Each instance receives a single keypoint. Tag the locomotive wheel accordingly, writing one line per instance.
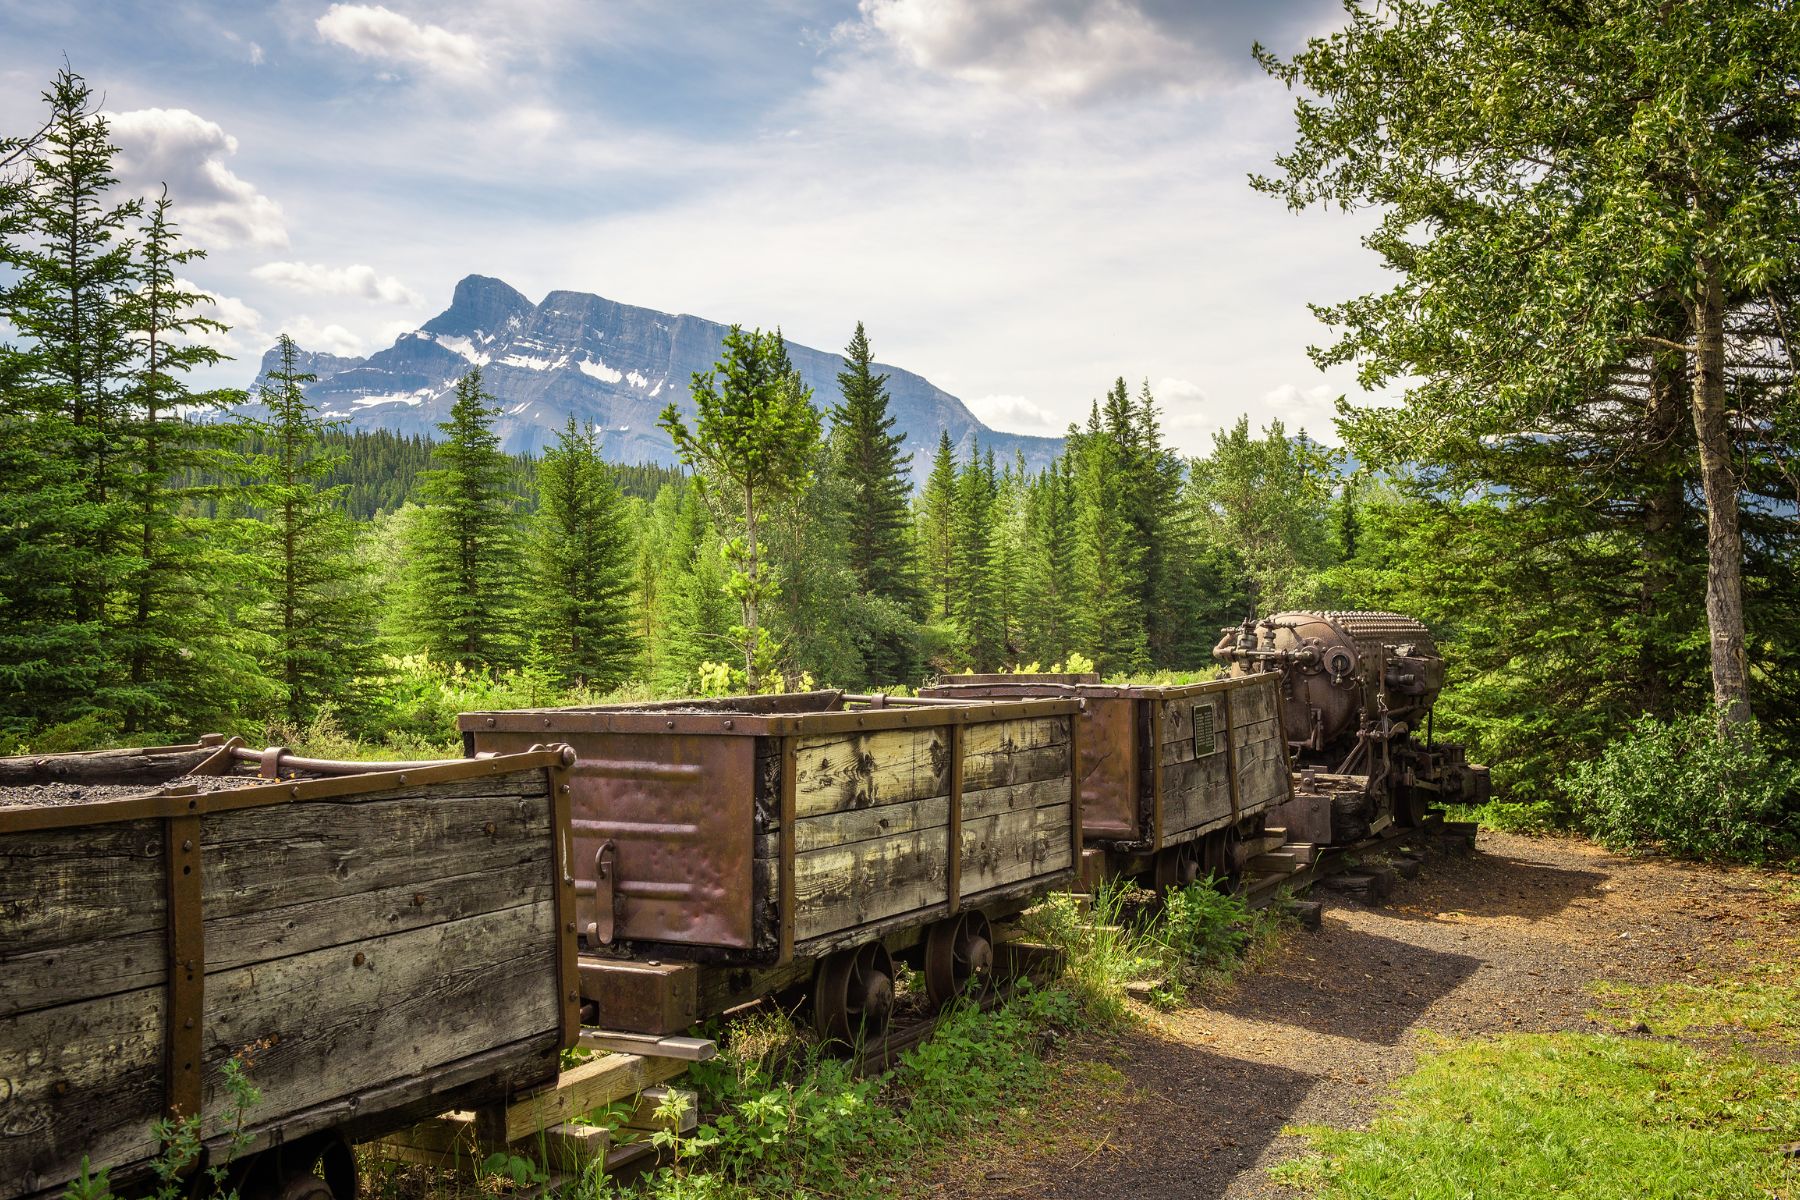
(1231, 855)
(853, 994)
(959, 958)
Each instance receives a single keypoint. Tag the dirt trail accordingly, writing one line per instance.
(1506, 939)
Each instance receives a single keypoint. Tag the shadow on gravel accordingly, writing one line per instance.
(1364, 987)
(1206, 1118)
(1488, 885)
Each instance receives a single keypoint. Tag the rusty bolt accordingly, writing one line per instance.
(418, 899)
(490, 722)
(187, 845)
(359, 960)
(570, 927)
(546, 722)
(573, 997)
(190, 1023)
(670, 724)
(488, 829)
(564, 789)
(402, 777)
(728, 724)
(293, 791)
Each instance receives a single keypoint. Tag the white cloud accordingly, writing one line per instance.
(1309, 408)
(243, 333)
(308, 334)
(187, 152)
(256, 54)
(373, 31)
(1014, 414)
(356, 280)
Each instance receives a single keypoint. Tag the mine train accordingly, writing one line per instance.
(375, 943)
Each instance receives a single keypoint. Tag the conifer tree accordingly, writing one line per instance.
(937, 530)
(866, 454)
(1109, 555)
(319, 615)
(464, 568)
(1047, 600)
(975, 606)
(68, 270)
(186, 580)
(582, 554)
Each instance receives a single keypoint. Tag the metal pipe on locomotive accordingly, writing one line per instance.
(1358, 690)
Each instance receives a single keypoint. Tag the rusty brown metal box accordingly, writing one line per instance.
(756, 830)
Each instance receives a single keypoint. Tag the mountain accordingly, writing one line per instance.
(607, 363)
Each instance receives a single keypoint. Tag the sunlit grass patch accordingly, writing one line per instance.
(1568, 1115)
(1766, 1002)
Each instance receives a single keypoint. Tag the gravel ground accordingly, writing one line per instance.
(1505, 939)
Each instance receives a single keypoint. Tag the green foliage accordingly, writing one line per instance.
(1677, 786)
(756, 434)
(461, 595)
(1566, 1114)
(1269, 500)
(317, 617)
(582, 555)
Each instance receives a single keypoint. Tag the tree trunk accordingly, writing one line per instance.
(1724, 539)
(1663, 508)
(752, 570)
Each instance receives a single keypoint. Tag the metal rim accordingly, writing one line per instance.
(1179, 866)
(853, 994)
(959, 958)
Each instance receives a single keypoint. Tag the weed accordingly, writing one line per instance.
(1567, 1114)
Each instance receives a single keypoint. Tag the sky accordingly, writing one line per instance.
(1022, 199)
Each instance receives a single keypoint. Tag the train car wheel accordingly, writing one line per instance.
(853, 994)
(959, 958)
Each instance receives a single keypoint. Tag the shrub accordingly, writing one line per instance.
(1680, 787)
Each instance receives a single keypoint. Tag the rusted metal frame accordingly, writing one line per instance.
(1287, 749)
(568, 972)
(761, 725)
(185, 1008)
(221, 760)
(953, 901)
(1076, 836)
(281, 759)
(1231, 768)
(785, 868)
(1156, 774)
(161, 804)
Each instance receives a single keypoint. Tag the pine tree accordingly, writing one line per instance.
(975, 607)
(937, 530)
(464, 571)
(319, 616)
(872, 474)
(1109, 623)
(70, 270)
(1047, 600)
(582, 551)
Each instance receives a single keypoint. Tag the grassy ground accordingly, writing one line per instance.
(1696, 1094)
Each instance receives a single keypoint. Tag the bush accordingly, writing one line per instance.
(1679, 787)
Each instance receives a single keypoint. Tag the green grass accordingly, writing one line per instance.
(1568, 1115)
(1765, 1002)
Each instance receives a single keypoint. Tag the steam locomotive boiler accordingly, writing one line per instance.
(1357, 695)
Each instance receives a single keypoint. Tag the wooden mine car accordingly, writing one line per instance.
(372, 944)
(1176, 781)
(725, 849)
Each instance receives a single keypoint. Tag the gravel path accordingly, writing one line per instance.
(1505, 939)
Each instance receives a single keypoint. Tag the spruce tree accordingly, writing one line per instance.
(70, 273)
(461, 600)
(975, 607)
(937, 530)
(582, 556)
(1109, 622)
(319, 616)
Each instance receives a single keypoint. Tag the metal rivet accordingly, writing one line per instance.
(573, 997)
(489, 828)
(546, 722)
(490, 722)
(188, 844)
(669, 724)
(293, 791)
(403, 778)
(190, 1022)
(728, 724)
(565, 789)
(571, 927)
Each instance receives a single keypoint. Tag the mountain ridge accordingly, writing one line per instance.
(607, 363)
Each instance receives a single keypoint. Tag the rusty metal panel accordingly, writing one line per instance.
(678, 811)
(1106, 759)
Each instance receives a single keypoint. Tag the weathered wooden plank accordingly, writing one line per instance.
(1252, 704)
(103, 767)
(82, 971)
(261, 935)
(1180, 750)
(613, 1041)
(1036, 794)
(79, 1079)
(335, 1021)
(1028, 733)
(859, 825)
(1014, 846)
(993, 768)
(62, 887)
(261, 858)
(1196, 793)
(864, 770)
(591, 1085)
(844, 886)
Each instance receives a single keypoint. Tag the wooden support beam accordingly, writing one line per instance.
(688, 1049)
(591, 1085)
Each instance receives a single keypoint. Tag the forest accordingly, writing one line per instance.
(167, 569)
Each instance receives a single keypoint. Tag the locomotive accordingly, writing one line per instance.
(1357, 692)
